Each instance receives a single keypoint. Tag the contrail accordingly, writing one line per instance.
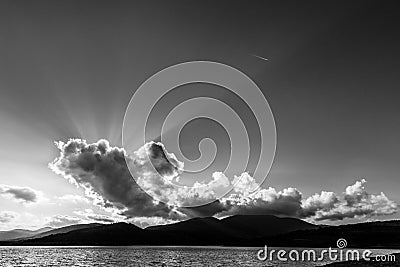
(263, 58)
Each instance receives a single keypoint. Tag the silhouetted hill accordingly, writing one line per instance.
(265, 225)
(238, 226)
(21, 233)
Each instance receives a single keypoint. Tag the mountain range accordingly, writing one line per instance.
(239, 230)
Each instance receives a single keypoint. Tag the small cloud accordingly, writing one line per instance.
(101, 218)
(75, 199)
(144, 222)
(91, 216)
(7, 216)
(22, 194)
(62, 220)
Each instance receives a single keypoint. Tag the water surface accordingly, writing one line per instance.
(141, 256)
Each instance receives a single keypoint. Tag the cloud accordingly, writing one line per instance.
(102, 171)
(22, 194)
(144, 222)
(319, 202)
(75, 199)
(91, 216)
(7, 216)
(154, 169)
(244, 184)
(355, 193)
(101, 218)
(264, 201)
(356, 202)
(62, 220)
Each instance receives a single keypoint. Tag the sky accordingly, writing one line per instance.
(68, 69)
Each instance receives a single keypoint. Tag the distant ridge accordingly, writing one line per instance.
(21, 233)
(64, 230)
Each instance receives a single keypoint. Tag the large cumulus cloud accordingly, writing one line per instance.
(103, 172)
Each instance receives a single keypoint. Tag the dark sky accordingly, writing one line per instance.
(69, 68)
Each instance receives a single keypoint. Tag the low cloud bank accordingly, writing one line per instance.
(103, 172)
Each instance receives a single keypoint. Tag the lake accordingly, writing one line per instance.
(142, 256)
